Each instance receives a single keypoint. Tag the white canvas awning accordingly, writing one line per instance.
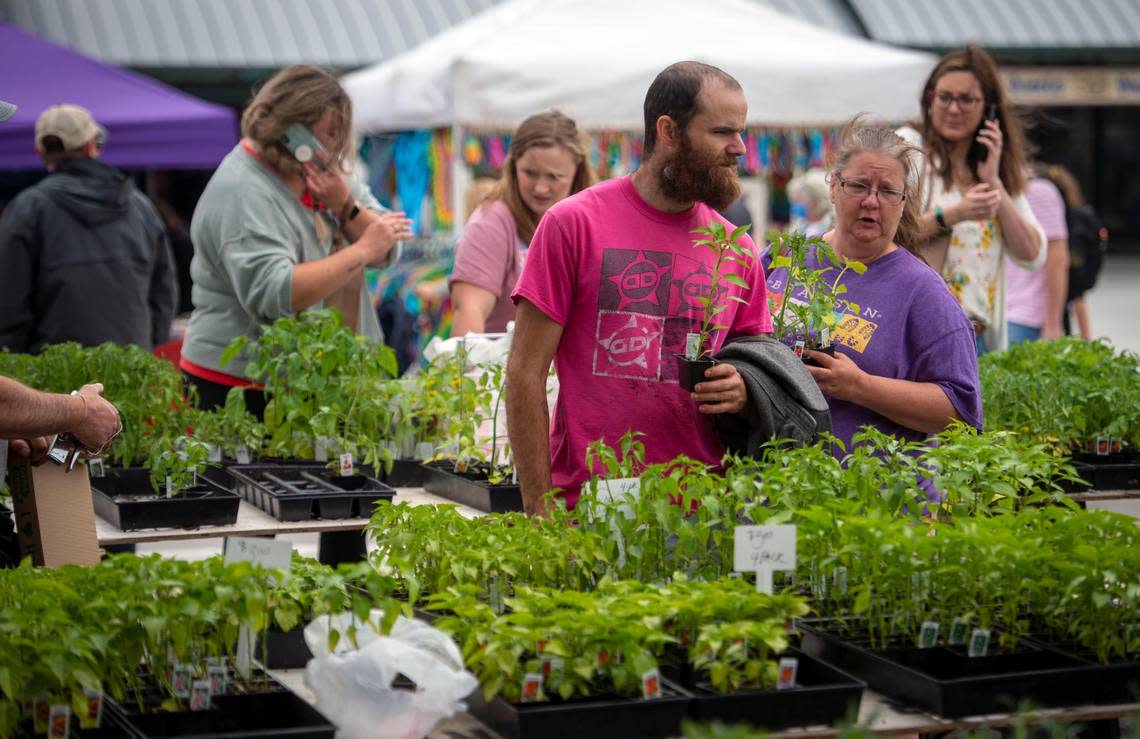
(594, 60)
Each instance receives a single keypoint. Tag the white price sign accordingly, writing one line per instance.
(269, 553)
(764, 549)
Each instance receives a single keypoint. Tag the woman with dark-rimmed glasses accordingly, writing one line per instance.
(904, 360)
(974, 210)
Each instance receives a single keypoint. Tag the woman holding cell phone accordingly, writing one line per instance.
(974, 180)
(282, 226)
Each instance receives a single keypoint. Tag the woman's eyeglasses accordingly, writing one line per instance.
(965, 102)
(857, 189)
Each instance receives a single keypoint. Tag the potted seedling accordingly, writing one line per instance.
(169, 492)
(805, 312)
(728, 255)
(480, 475)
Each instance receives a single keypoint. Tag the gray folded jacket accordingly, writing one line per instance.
(783, 400)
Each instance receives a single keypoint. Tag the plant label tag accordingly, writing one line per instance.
(769, 547)
(651, 684)
(979, 643)
(321, 449)
(242, 453)
(692, 346)
(216, 674)
(213, 453)
(181, 681)
(41, 714)
(92, 716)
(824, 336)
(841, 580)
(786, 677)
(95, 468)
(531, 688)
(494, 596)
(1114, 445)
(552, 668)
(243, 655)
(200, 695)
(928, 636)
(958, 630)
(623, 490)
(346, 468)
(1102, 446)
(798, 348)
(169, 487)
(59, 721)
(425, 450)
(272, 554)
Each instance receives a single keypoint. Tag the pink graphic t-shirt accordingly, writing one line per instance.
(624, 280)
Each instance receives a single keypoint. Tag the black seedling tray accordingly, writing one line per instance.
(945, 681)
(1116, 471)
(603, 717)
(470, 489)
(302, 492)
(822, 696)
(124, 497)
(272, 714)
(406, 473)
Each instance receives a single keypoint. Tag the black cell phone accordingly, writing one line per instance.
(978, 151)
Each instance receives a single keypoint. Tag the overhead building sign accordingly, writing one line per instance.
(1073, 85)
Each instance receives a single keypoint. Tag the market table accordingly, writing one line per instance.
(252, 521)
(875, 712)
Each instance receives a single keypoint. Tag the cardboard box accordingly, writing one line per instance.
(55, 519)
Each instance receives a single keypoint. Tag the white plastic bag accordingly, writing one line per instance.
(353, 685)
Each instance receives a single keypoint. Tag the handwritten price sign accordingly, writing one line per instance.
(764, 549)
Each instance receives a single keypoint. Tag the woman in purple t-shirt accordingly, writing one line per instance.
(546, 163)
(905, 360)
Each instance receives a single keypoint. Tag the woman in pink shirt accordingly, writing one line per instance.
(546, 163)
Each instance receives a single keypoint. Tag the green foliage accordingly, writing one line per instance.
(1064, 393)
(605, 640)
(807, 317)
(727, 251)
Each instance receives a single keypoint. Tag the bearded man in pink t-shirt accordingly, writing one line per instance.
(612, 285)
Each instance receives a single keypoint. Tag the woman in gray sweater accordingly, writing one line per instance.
(276, 232)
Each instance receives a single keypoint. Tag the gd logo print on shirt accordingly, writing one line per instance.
(647, 302)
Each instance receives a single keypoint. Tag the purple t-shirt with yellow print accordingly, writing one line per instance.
(897, 320)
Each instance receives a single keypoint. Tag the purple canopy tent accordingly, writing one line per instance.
(149, 125)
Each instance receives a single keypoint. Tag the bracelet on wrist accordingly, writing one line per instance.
(349, 211)
(940, 217)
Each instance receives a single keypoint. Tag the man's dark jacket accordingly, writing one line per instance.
(84, 257)
(783, 400)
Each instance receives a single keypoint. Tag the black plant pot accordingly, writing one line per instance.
(828, 350)
(947, 682)
(125, 498)
(601, 717)
(692, 371)
(301, 492)
(406, 473)
(470, 488)
(822, 696)
(284, 650)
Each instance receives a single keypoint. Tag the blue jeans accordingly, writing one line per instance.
(979, 344)
(1019, 333)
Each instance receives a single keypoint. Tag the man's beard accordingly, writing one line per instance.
(692, 176)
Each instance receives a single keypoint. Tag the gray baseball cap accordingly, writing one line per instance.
(7, 110)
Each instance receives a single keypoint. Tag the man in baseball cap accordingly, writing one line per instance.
(7, 110)
(84, 254)
(67, 129)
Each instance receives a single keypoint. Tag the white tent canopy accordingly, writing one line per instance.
(594, 60)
